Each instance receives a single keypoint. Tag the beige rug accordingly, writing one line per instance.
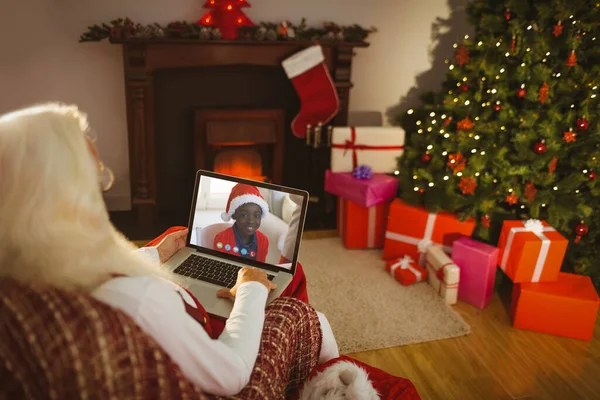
(366, 307)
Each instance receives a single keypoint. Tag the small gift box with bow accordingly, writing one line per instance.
(361, 227)
(379, 189)
(443, 274)
(406, 271)
(411, 230)
(477, 262)
(531, 251)
(377, 147)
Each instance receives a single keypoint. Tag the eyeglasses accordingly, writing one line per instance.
(106, 177)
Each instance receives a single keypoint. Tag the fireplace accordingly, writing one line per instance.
(244, 143)
(224, 106)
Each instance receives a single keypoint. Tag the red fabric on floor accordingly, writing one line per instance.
(296, 288)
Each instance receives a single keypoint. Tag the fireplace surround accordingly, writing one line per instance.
(191, 103)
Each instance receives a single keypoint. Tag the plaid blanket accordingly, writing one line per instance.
(66, 345)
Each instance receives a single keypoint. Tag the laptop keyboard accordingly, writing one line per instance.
(209, 270)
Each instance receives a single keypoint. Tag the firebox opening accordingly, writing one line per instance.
(243, 162)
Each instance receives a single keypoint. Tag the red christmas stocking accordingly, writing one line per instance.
(318, 98)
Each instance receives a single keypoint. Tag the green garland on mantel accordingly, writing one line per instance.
(125, 29)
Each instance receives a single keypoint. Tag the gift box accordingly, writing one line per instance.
(367, 193)
(442, 274)
(377, 147)
(361, 227)
(411, 230)
(531, 251)
(406, 270)
(477, 262)
(567, 307)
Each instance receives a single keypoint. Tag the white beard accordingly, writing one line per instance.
(340, 381)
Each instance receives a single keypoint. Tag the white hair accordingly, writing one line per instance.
(54, 227)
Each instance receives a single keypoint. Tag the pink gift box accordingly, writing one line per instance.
(477, 262)
(366, 193)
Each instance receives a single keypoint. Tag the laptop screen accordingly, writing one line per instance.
(247, 221)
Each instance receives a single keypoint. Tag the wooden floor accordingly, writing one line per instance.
(496, 361)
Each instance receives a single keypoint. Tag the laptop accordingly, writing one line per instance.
(233, 223)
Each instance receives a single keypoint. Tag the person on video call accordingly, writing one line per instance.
(247, 207)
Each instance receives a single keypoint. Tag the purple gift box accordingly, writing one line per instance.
(477, 262)
(366, 193)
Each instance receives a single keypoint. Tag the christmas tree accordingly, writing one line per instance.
(514, 134)
(226, 16)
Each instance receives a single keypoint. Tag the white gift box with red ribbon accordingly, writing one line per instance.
(443, 274)
(377, 147)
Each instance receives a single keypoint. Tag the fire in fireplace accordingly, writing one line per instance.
(244, 143)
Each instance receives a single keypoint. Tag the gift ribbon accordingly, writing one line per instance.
(351, 145)
(440, 274)
(422, 244)
(405, 263)
(535, 226)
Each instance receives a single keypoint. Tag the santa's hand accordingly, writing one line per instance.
(171, 244)
(246, 274)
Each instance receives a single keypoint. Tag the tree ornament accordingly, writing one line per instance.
(465, 124)
(456, 162)
(426, 157)
(572, 60)
(421, 191)
(462, 55)
(467, 185)
(464, 87)
(569, 136)
(530, 191)
(558, 29)
(539, 147)
(447, 122)
(581, 229)
(513, 44)
(227, 16)
(497, 107)
(592, 176)
(543, 96)
(512, 199)
(507, 14)
(486, 221)
(552, 165)
(582, 124)
(521, 92)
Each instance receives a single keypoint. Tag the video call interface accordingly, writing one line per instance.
(245, 221)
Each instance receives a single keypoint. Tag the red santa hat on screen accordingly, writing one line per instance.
(243, 194)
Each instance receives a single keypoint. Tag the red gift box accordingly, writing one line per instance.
(567, 307)
(531, 251)
(361, 227)
(406, 271)
(412, 230)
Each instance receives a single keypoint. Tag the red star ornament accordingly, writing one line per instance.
(512, 199)
(569, 136)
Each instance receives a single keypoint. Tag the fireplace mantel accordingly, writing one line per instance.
(142, 58)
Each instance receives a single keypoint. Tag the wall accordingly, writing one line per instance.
(41, 60)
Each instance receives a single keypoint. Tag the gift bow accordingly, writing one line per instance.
(351, 145)
(405, 263)
(440, 275)
(535, 226)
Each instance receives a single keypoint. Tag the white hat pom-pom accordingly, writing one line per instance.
(225, 217)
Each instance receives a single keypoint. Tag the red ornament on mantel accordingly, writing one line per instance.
(226, 16)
